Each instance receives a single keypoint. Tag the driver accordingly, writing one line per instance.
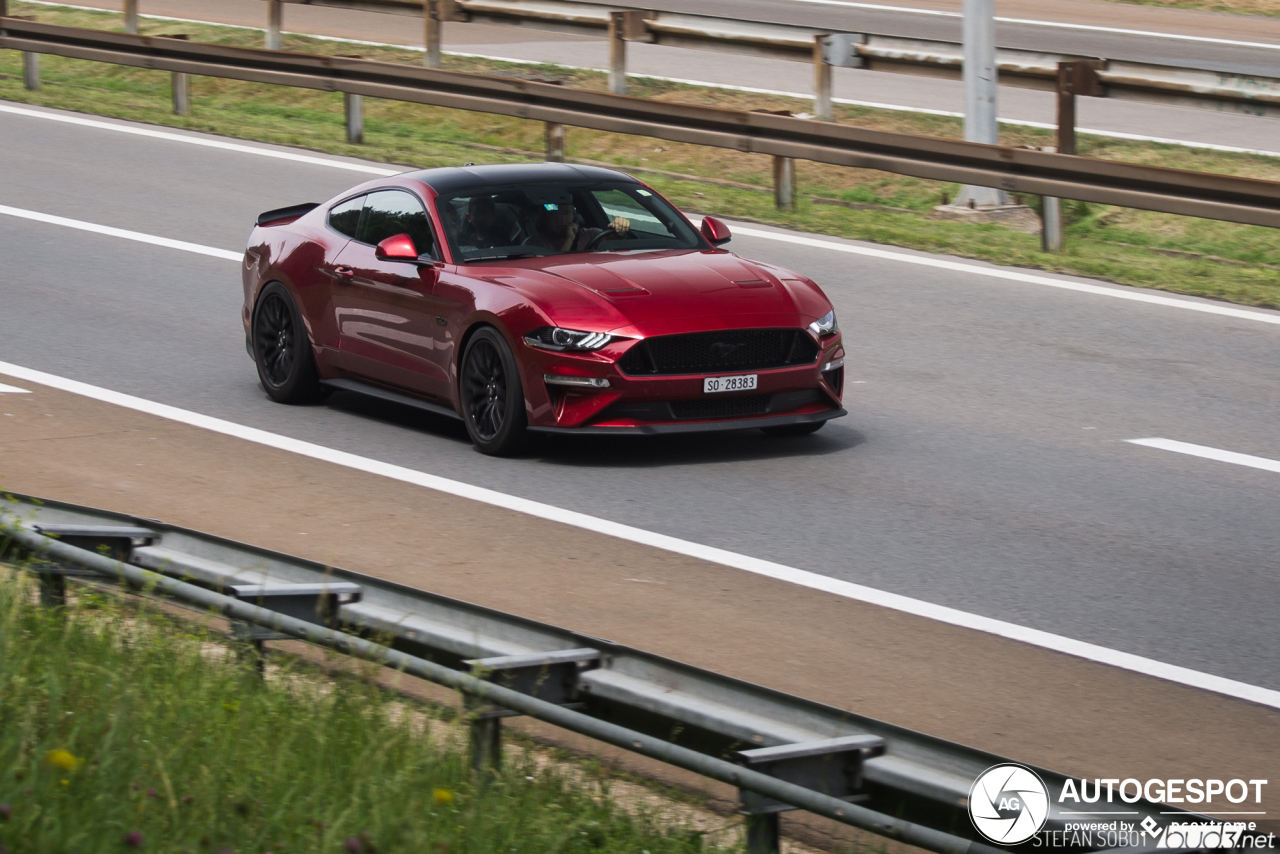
(558, 231)
(482, 228)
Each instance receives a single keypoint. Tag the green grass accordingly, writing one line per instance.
(121, 729)
(1194, 256)
(1236, 7)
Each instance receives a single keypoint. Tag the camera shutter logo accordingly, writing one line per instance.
(1008, 804)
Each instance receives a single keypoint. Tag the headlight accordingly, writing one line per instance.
(555, 338)
(825, 325)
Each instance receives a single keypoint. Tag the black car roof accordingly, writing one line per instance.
(452, 179)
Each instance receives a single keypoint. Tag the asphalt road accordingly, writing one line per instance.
(1112, 36)
(983, 465)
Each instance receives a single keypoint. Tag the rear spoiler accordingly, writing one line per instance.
(292, 212)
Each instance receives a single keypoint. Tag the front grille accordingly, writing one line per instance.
(727, 407)
(716, 352)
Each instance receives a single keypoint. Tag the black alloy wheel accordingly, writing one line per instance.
(491, 395)
(282, 349)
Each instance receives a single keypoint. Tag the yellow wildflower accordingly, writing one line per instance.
(443, 796)
(63, 759)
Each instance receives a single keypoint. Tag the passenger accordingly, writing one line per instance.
(560, 232)
(483, 229)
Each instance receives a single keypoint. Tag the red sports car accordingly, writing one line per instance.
(547, 297)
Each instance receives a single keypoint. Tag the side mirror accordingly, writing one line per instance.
(397, 248)
(715, 231)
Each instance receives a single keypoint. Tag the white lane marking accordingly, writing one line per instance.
(1007, 274)
(1135, 294)
(202, 141)
(12, 389)
(1205, 452)
(122, 233)
(780, 572)
(877, 105)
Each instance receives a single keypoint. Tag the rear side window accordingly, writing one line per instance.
(345, 218)
(393, 212)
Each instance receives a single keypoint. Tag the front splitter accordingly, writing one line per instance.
(697, 426)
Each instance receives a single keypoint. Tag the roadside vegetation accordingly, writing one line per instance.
(123, 729)
(1239, 7)
(1213, 259)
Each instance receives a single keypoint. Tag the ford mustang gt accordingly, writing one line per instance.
(546, 297)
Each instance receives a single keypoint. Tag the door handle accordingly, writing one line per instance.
(345, 274)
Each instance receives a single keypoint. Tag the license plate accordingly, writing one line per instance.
(742, 382)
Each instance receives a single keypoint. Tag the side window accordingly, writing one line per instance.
(345, 218)
(616, 203)
(393, 212)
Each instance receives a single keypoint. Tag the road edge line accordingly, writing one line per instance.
(849, 590)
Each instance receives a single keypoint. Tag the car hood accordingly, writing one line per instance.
(669, 287)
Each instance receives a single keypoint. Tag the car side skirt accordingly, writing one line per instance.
(386, 394)
(697, 426)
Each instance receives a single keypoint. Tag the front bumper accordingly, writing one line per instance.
(698, 426)
(617, 403)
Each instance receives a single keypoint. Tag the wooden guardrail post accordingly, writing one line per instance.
(275, 24)
(555, 142)
(784, 183)
(131, 16)
(431, 32)
(31, 70)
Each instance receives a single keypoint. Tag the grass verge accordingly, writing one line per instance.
(1194, 256)
(1237, 7)
(121, 729)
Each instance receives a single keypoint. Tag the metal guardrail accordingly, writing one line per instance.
(847, 767)
(1213, 196)
(1124, 77)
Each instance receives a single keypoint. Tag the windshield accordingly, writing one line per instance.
(527, 220)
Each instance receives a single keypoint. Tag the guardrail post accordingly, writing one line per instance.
(1050, 224)
(355, 118)
(275, 24)
(31, 70)
(618, 53)
(431, 32)
(821, 81)
(181, 86)
(53, 589)
(1077, 77)
(181, 93)
(131, 16)
(784, 183)
(763, 834)
(555, 142)
(486, 743)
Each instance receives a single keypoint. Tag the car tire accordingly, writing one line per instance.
(491, 395)
(794, 429)
(282, 350)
